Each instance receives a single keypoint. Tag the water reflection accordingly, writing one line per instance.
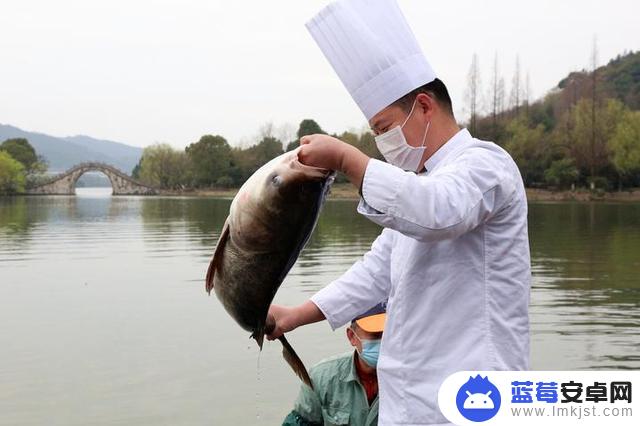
(103, 313)
(585, 307)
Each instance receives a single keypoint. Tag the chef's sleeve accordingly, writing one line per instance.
(363, 286)
(445, 204)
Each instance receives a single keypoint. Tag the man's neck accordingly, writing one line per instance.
(367, 378)
(364, 370)
(439, 134)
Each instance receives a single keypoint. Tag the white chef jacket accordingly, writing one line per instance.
(453, 262)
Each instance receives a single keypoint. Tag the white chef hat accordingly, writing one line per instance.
(372, 49)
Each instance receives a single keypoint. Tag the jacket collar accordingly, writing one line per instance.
(350, 374)
(463, 136)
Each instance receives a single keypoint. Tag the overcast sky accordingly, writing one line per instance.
(141, 72)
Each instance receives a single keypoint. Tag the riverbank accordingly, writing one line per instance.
(342, 191)
(345, 191)
(583, 195)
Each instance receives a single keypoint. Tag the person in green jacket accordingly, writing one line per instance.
(345, 387)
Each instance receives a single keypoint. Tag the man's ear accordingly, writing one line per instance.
(426, 103)
(351, 336)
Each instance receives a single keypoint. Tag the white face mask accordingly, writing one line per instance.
(394, 147)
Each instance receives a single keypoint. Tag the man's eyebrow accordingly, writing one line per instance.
(377, 123)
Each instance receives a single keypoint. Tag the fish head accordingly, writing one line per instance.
(294, 182)
(276, 200)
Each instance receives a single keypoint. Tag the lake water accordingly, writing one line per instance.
(104, 318)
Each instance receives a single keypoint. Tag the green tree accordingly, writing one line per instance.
(21, 150)
(309, 127)
(292, 145)
(210, 159)
(561, 173)
(306, 127)
(135, 173)
(365, 142)
(12, 178)
(268, 148)
(529, 148)
(625, 144)
(592, 156)
(247, 161)
(164, 167)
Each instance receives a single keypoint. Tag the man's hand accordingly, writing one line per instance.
(289, 318)
(322, 151)
(331, 153)
(284, 318)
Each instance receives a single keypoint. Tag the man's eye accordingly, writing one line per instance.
(379, 131)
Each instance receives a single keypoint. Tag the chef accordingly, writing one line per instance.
(453, 257)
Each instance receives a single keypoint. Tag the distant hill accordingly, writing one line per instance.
(572, 135)
(63, 153)
(619, 79)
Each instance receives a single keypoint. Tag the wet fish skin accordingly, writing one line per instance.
(270, 220)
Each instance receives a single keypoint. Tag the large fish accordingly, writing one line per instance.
(270, 220)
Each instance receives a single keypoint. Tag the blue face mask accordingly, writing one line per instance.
(370, 351)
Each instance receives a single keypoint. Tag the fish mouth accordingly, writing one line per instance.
(313, 171)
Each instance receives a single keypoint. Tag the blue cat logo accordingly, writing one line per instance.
(478, 399)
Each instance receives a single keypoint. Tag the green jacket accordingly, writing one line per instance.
(338, 398)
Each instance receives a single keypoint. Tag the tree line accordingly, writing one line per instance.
(213, 162)
(19, 165)
(584, 133)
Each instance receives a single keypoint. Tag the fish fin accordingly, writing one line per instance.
(267, 328)
(294, 361)
(216, 260)
(258, 335)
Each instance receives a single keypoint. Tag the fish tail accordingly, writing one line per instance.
(294, 361)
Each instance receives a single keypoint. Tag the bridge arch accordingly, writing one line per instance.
(93, 178)
(65, 183)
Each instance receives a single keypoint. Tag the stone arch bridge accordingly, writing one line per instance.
(65, 183)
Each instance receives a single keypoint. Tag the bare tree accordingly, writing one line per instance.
(501, 93)
(267, 130)
(516, 89)
(494, 95)
(473, 91)
(594, 80)
(286, 132)
(527, 93)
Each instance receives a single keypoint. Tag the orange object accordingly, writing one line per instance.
(372, 323)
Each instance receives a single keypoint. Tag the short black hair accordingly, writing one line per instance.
(436, 89)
